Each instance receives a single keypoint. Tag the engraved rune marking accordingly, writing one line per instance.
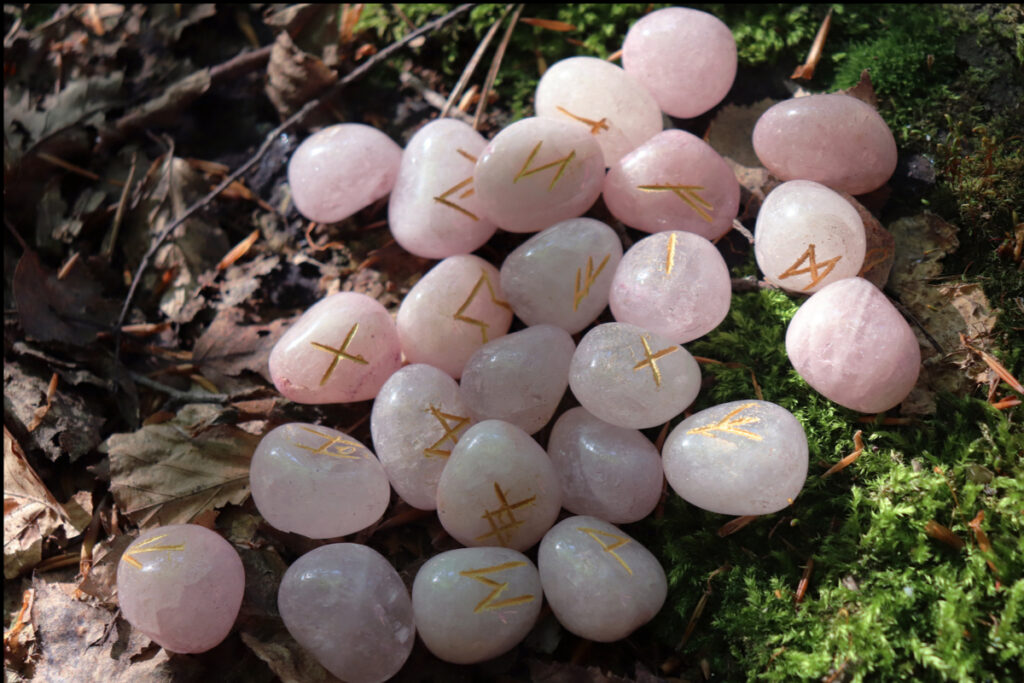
(443, 197)
(503, 519)
(345, 448)
(670, 257)
(649, 359)
(146, 547)
(595, 126)
(817, 270)
(491, 601)
(730, 426)
(340, 353)
(619, 542)
(688, 193)
(450, 432)
(561, 163)
(579, 294)
(459, 314)
(467, 155)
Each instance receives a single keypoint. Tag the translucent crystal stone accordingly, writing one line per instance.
(498, 488)
(182, 586)
(474, 604)
(342, 349)
(674, 181)
(601, 583)
(317, 481)
(452, 311)
(605, 471)
(631, 377)
(348, 607)
(537, 172)
(675, 284)
(561, 276)
(433, 211)
(342, 169)
(739, 458)
(616, 109)
(852, 346)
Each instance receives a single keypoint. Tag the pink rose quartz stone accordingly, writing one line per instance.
(674, 181)
(182, 586)
(807, 237)
(433, 211)
(601, 583)
(316, 481)
(519, 378)
(451, 312)
(474, 604)
(341, 350)
(853, 347)
(561, 276)
(633, 378)
(686, 58)
(537, 172)
(342, 169)
(675, 284)
(615, 108)
(499, 488)
(417, 419)
(740, 458)
(349, 608)
(605, 471)
(835, 140)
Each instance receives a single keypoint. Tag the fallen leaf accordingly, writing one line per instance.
(294, 77)
(101, 583)
(864, 90)
(562, 672)
(231, 348)
(287, 658)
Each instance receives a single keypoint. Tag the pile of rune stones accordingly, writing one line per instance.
(456, 397)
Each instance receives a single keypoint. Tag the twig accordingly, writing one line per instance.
(122, 203)
(806, 70)
(178, 395)
(473, 62)
(495, 65)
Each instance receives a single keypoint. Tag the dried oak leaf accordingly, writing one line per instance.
(229, 347)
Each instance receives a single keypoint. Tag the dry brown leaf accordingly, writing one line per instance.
(294, 77)
(231, 348)
(286, 658)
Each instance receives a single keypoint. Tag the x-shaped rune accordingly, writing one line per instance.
(339, 353)
(649, 359)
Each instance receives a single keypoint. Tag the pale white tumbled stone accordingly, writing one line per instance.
(608, 472)
(561, 276)
(807, 237)
(498, 488)
(601, 583)
(519, 378)
(631, 377)
(739, 458)
(616, 108)
(433, 211)
(675, 284)
(417, 419)
(452, 311)
(473, 604)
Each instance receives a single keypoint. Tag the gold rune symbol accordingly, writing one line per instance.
(345, 447)
(817, 271)
(503, 519)
(580, 294)
(649, 359)
(339, 353)
(670, 257)
(561, 163)
(491, 601)
(620, 541)
(688, 193)
(450, 432)
(484, 280)
(595, 126)
(146, 547)
(730, 426)
(443, 197)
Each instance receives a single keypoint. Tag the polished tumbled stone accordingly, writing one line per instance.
(348, 607)
(181, 585)
(473, 604)
(675, 284)
(317, 481)
(601, 583)
(740, 458)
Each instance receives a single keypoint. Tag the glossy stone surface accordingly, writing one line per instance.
(561, 276)
(537, 172)
(417, 419)
(341, 350)
(342, 169)
(675, 284)
(348, 607)
(499, 488)
(317, 481)
(835, 140)
(852, 346)
(600, 582)
(433, 211)
(674, 181)
(615, 108)
(807, 237)
(686, 58)
(740, 458)
(605, 471)
(181, 585)
(631, 377)
(473, 604)
(452, 311)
